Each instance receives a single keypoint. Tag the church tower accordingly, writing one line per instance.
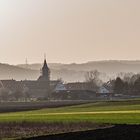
(45, 72)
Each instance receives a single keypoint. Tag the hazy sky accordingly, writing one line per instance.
(69, 30)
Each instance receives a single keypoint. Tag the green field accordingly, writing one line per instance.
(119, 112)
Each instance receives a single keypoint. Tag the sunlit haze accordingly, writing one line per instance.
(69, 30)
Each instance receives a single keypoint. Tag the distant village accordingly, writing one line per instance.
(46, 89)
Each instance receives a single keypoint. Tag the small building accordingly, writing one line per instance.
(11, 85)
(60, 87)
(103, 90)
(104, 93)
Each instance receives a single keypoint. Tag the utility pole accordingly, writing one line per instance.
(26, 63)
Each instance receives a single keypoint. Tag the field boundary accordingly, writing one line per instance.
(75, 113)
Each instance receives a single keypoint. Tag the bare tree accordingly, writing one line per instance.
(93, 80)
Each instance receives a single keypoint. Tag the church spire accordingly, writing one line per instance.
(45, 66)
(45, 71)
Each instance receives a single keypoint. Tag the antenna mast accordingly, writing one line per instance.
(26, 63)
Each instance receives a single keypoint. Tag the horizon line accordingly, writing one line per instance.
(103, 60)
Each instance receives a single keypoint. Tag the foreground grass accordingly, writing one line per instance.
(124, 112)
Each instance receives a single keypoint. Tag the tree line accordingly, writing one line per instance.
(129, 84)
(125, 83)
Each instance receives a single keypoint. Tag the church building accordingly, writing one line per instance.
(41, 87)
(45, 73)
(38, 89)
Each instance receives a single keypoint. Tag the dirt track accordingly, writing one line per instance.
(118, 132)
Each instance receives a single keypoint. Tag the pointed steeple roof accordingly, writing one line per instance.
(45, 72)
(45, 63)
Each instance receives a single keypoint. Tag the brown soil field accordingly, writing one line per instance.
(117, 132)
(30, 129)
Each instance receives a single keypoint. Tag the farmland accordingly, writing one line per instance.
(25, 106)
(100, 112)
(86, 116)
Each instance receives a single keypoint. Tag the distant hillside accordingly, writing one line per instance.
(13, 72)
(38, 66)
(109, 67)
(68, 72)
(58, 71)
(76, 72)
(21, 73)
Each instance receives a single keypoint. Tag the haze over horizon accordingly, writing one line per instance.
(69, 31)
